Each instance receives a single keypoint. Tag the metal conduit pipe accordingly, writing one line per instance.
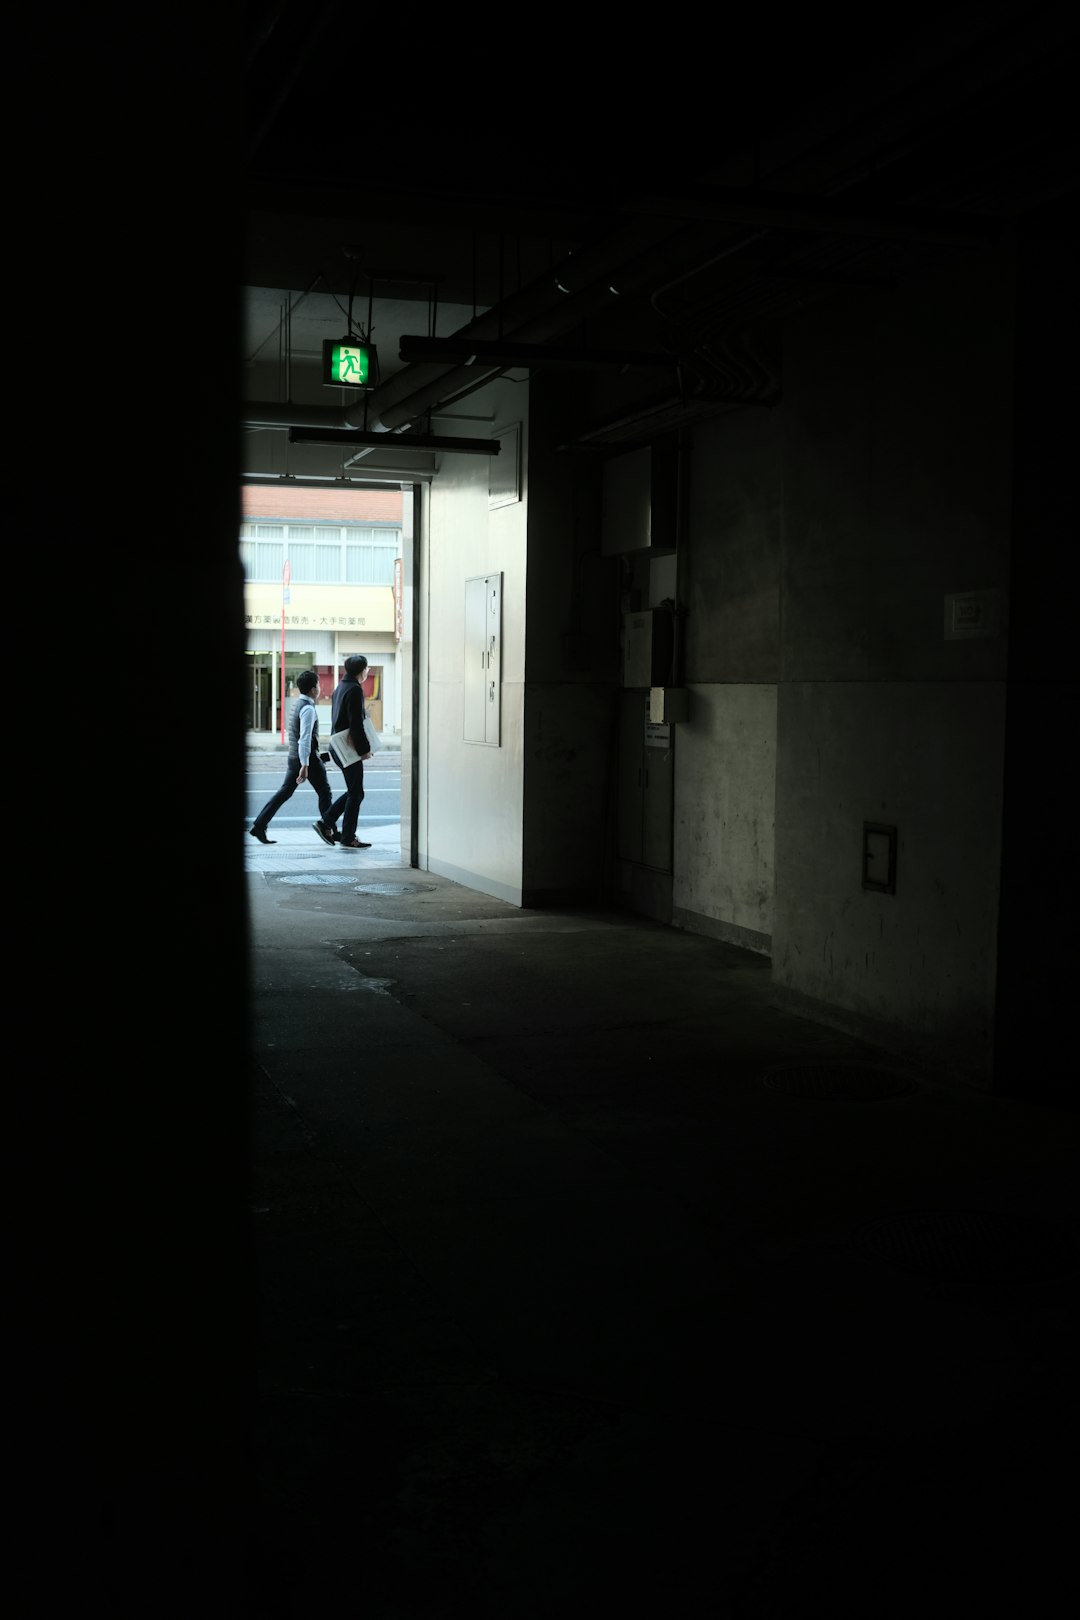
(421, 387)
(541, 312)
(425, 385)
(258, 414)
(596, 261)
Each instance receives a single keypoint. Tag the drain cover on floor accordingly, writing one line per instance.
(970, 1246)
(324, 880)
(829, 1082)
(344, 880)
(394, 888)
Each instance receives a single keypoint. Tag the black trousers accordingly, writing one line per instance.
(318, 779)
(349, 802)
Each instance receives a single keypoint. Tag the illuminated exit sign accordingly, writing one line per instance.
(348, 363)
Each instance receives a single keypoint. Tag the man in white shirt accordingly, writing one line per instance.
(304, 764)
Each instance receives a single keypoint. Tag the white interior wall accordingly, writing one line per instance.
(470, 816)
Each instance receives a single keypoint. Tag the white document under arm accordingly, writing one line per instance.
(342, 748)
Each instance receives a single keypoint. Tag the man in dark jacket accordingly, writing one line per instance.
(347, 714)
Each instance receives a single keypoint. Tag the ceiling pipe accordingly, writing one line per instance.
(544, 310)
(424, 384)
(593, 261)
(557, 303)
(408, 441)
(553, 305)
(511, 354)
(260, 414)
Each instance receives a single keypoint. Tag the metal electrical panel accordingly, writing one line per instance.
(645, 817)
(637, 649)
(626, 512)
(639, 500)
(483, 659)
(648, 648)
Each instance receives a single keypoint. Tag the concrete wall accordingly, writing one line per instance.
(925, 758)
(822, 537)
(896, 483)
(1037, 952)
(725, 754)
(469, 822)
(725, 773)
(571, 668)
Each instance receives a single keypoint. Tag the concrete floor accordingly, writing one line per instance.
(590, 1280)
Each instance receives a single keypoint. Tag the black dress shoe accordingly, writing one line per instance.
(257, 832)
(354, 843)
(327, 834)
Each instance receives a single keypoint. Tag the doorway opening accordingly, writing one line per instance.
(329, 572)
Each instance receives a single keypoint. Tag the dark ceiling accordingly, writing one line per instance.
(643, 210)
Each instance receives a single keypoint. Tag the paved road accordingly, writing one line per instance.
(382, 791)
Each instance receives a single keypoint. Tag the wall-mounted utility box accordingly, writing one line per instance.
(640, 500)
(668, 704)
(972, 613)
(648, 645)
(646, 791)
(482, 686)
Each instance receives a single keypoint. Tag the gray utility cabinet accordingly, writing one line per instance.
(646, 785)
(483, 659)
(640, 500)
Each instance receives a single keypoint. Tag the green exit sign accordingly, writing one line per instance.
(348, 363)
